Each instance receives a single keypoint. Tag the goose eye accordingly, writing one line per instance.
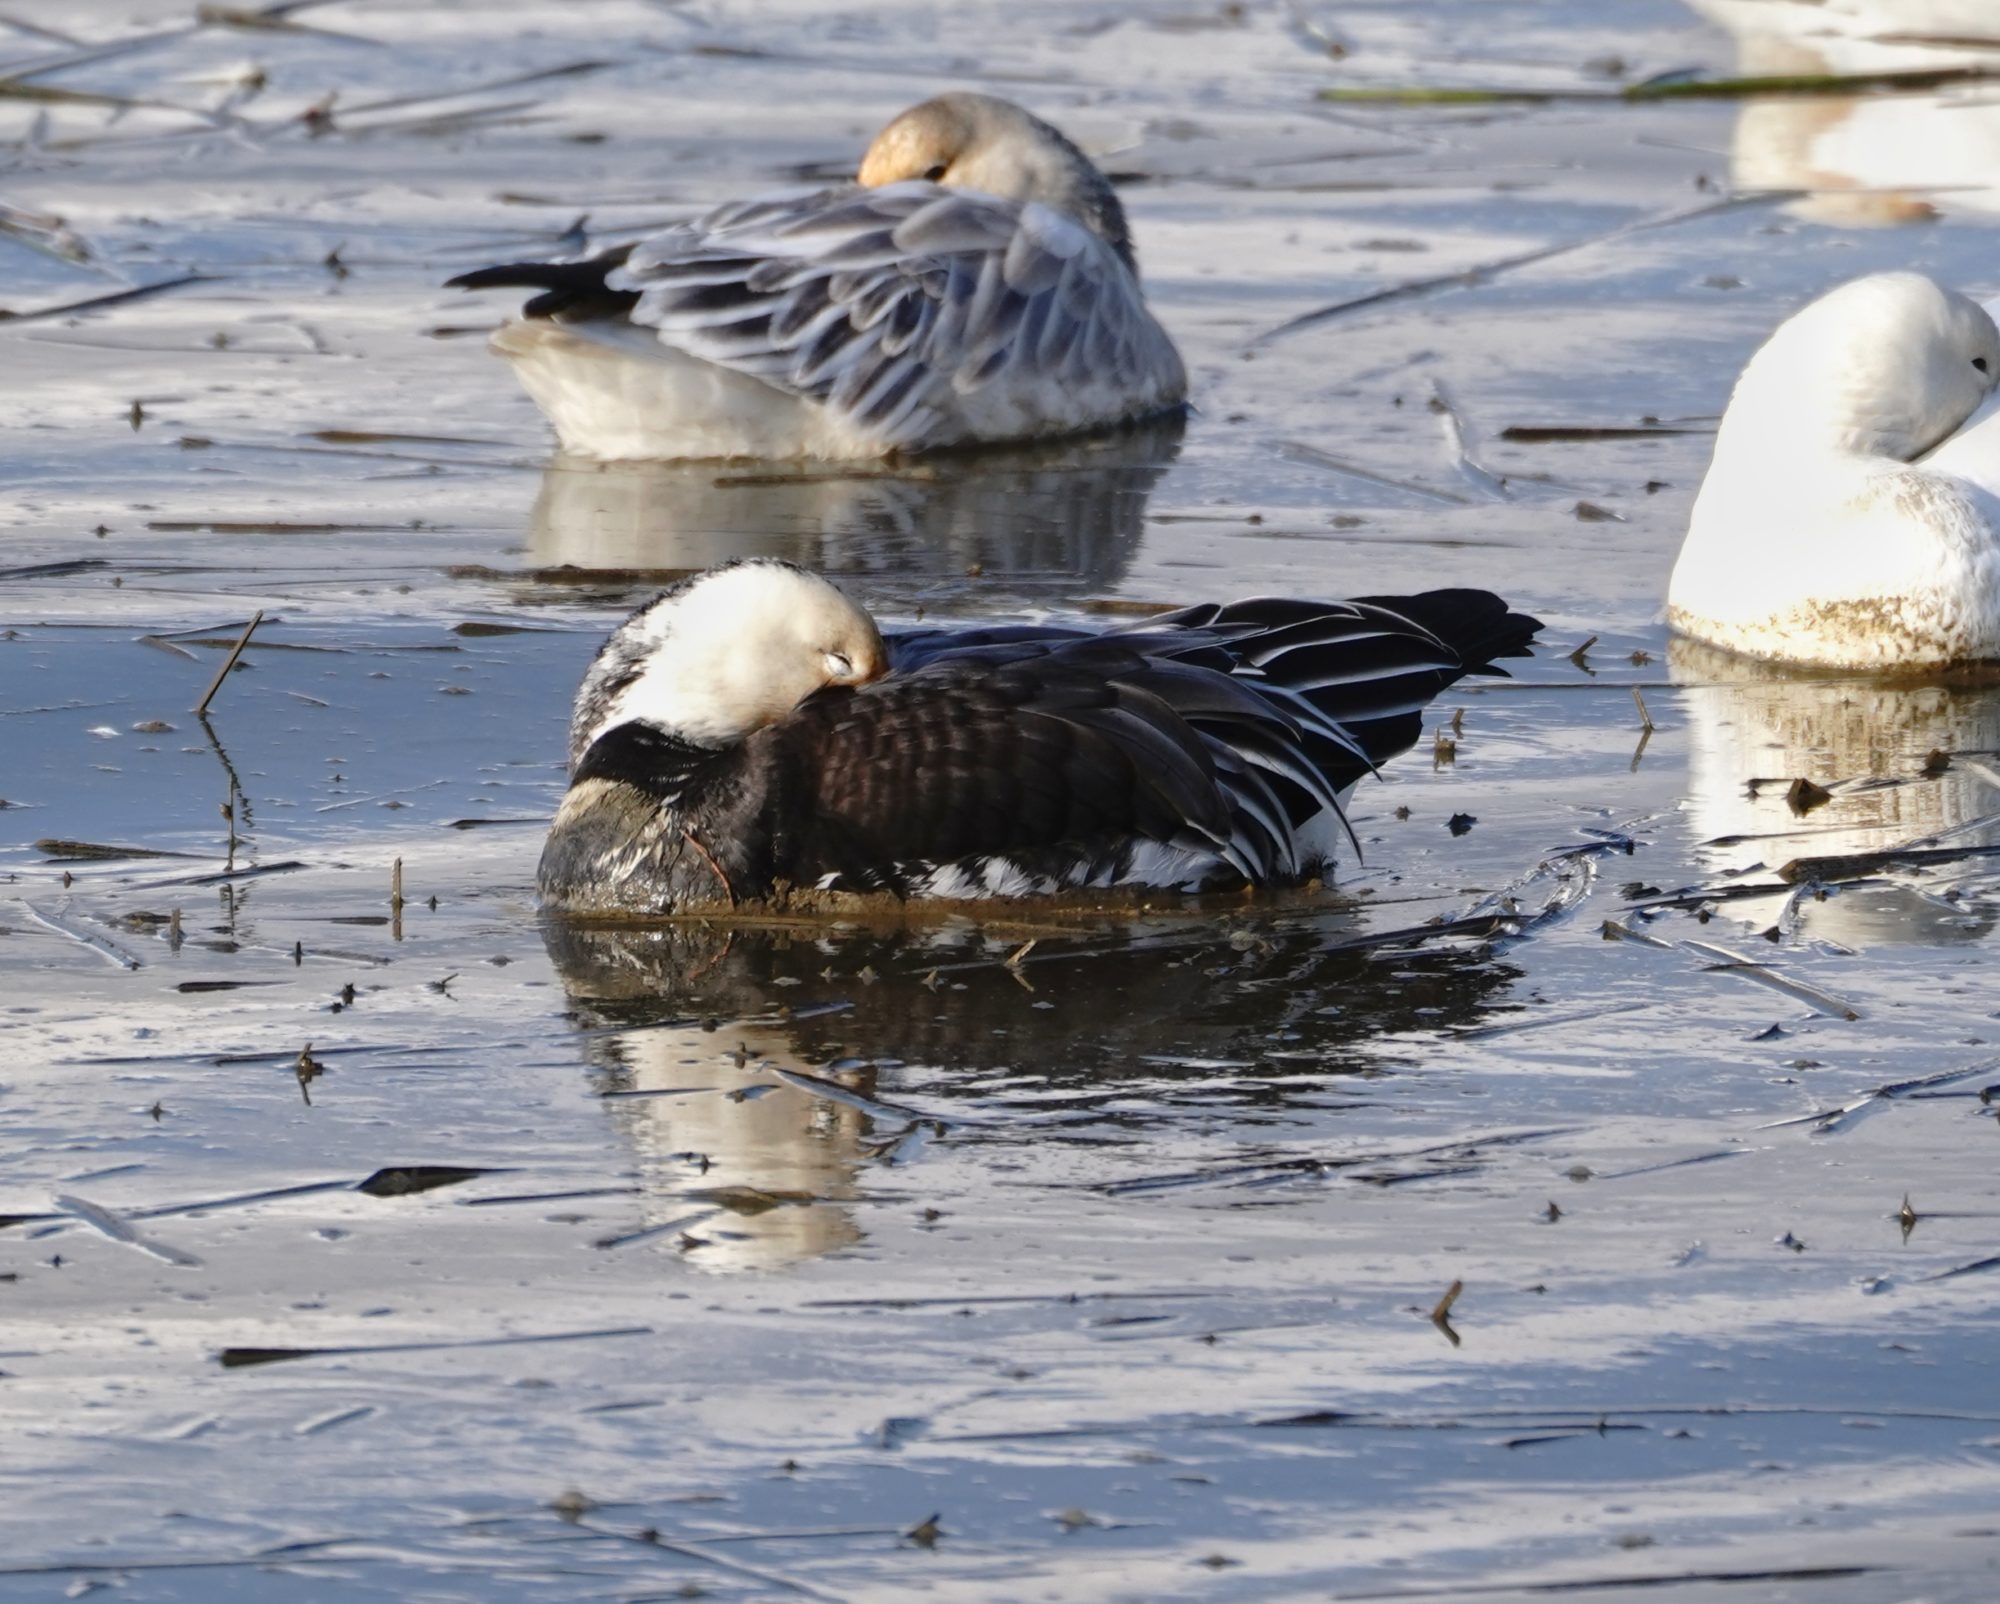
(1979, 362)
(838, 666)
(935, 173)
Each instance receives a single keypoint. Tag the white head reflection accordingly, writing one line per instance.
(1901, 765)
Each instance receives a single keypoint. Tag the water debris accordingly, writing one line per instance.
(1472, 277)
(97, 303)
(226, 876)
(45, 233)
(1554, 433)
(55, 570)
(308, 1069)
(925, 1533)
(1828, 1120)
(406, 1180)
(268, 526)
(1670, 1164)
(1645, 718)
(1847, 867)
(647, 1233)
(1671, 86)
(1589, 512)
(1723, 961)
(1458, 441)
(108, 951)
(1443, 1158)
(1975, 1267)
(100, 851)
(573, 69)
(243, 1358)
(1802, 796)
(222, 673)
(1299, 451)
(1441, 1314)
(117, 1227)
(834, 1092)
(653, 1537)
(273, 19)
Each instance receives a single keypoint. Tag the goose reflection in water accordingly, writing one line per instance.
(1753, 729)
(773, 1079)
(1871, 157)
(1065, 510)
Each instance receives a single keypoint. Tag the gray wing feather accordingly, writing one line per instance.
(888, 305)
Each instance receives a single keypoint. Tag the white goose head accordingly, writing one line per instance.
(983, 143)
(725, 654)
(1885, 366)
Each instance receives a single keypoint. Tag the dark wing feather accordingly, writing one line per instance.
(569, 289)
(1046, 759)
(1356, 675)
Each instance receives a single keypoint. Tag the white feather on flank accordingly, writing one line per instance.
(975, 286)
(612, 391)
(1823, 532)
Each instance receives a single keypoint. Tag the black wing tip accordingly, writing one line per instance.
(1476, 624)
(575, 288)
(507, 275)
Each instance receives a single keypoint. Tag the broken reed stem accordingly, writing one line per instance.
(222, 673)
(1645, 718)
(396, 885)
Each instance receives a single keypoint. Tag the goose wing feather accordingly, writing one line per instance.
(892, 305)
(964, 758)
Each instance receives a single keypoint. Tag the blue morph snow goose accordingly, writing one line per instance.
(751, 733)
(976, 284)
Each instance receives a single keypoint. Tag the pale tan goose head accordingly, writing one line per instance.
(980, 142)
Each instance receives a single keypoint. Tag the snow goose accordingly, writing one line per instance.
(1847, 518)
(977, 283)
(751, 733)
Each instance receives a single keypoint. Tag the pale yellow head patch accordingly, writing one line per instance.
(922, 143)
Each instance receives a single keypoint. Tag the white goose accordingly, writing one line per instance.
(752, 731)
(977, 284)
(1851, 516)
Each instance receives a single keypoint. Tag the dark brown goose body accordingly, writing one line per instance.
(1206, 749)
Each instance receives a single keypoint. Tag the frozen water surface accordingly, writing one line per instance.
(715, 1261)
